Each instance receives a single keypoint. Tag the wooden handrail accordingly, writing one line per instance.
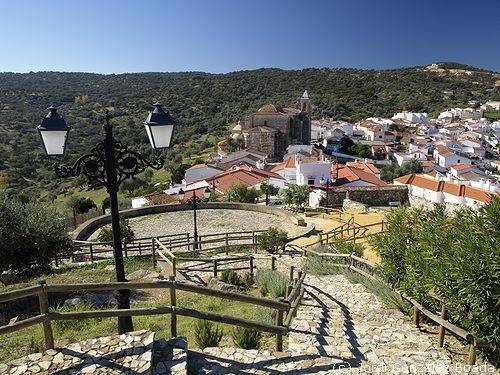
(20, 293)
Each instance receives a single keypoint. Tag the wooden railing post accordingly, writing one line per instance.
(320, 238)
(227, 242)
(441, 328)
(416, 316)
(43, 302)
(251, 265)
(187, 237)
(215, 268)
(253, 237)
(291, 273)
(125, 249)
(288, 291)
(199, 243)
(472, 351)
(273, 262)
(91, 254)
(174, 267)
(173, 316)
(140, 249)
(153, 252)
(279, 323)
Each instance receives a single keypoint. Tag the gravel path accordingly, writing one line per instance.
(209, 221)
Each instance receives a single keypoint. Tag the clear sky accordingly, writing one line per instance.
(116, 36)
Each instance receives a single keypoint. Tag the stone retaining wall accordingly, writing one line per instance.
(90, 226)
(368, 195)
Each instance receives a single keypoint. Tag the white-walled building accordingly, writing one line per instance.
(446, 158)
(412, 117)
(311, 172)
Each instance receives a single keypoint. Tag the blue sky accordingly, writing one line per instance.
(111, 36)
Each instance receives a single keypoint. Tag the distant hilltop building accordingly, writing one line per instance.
(272, 129)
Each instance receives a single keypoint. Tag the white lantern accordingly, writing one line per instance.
(159, 127)
(206, 192)
(53, 132)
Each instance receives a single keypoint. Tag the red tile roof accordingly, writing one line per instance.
(458, 190)
(367, 167)
(348, 174)
(461, 167)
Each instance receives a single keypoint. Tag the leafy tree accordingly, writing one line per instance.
(126, 231)
(31, 234)
(82, 205)
(241, 193)
(456, 256)
(296, 196)
(178, 172)
(268, 190)
(393, 170)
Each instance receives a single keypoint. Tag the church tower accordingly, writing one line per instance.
(305, 103)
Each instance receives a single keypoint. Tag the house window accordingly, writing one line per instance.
(458, 161)
(310, 181)
(380, 136)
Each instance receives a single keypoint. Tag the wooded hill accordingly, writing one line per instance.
(204, 104)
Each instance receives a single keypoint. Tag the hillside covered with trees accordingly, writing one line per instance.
(204, 104)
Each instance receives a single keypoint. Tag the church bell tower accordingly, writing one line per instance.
(305, 103)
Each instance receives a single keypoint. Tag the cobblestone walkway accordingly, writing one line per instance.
(339, 328)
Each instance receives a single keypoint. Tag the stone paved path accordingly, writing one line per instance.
(339, 328)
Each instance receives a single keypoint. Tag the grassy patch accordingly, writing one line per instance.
(30, 340)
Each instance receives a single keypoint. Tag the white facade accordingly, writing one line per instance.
(413, 117)
(138, 202)
(312, 172)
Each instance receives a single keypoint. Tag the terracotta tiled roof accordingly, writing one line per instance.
(444, 151)
(367, 167)
(224, 181)
(461, 167)
(348, 174)
(458, 190)
(289, 163)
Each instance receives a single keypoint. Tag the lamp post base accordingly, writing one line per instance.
(123, 302)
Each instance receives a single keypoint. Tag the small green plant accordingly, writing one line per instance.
(207, 334)
(272, 240)
(246, 338)
(315, 265)
(271, 282)
(247, 280)
(231, 277)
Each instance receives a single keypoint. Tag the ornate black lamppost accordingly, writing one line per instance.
(326, 182)
(194, 201)
(109, 163)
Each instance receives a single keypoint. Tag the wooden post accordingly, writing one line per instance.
(174, 268)
(279, 322)
(140, 249)
(327, 238)
(291, 273)
(253, 237)
(273, 262)
(416, 317)
(320, 238)
(125, 249)
(199, 243)
(57, 261)
(153, 252)
(215, 268)
(187, 237)
(170, 245)
(43, 302)
(227, 242)
(441, 328)
(173, 316)
(472, 351)
(91, 254)
(251, 265)
(288, 291)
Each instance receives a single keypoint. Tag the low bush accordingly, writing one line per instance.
(456, 256)
(126, 231)
(271, 282)
(31, 236)
(315, 265)
(272, 240)
(230, 276)
(207, 334)
(246, 338)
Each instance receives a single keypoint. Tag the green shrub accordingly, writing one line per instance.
(271, 282)
(342, 246)
(272, 240)
(31, 235)
(246, 338)
(207, 334)
(247, 280)
(456, 256)
(230, 276)
(126, 231)
(314, 265)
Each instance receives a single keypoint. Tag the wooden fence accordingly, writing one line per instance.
(285, 305)
(369, 270)
(92, 250)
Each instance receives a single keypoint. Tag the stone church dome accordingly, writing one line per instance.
(268, 108)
